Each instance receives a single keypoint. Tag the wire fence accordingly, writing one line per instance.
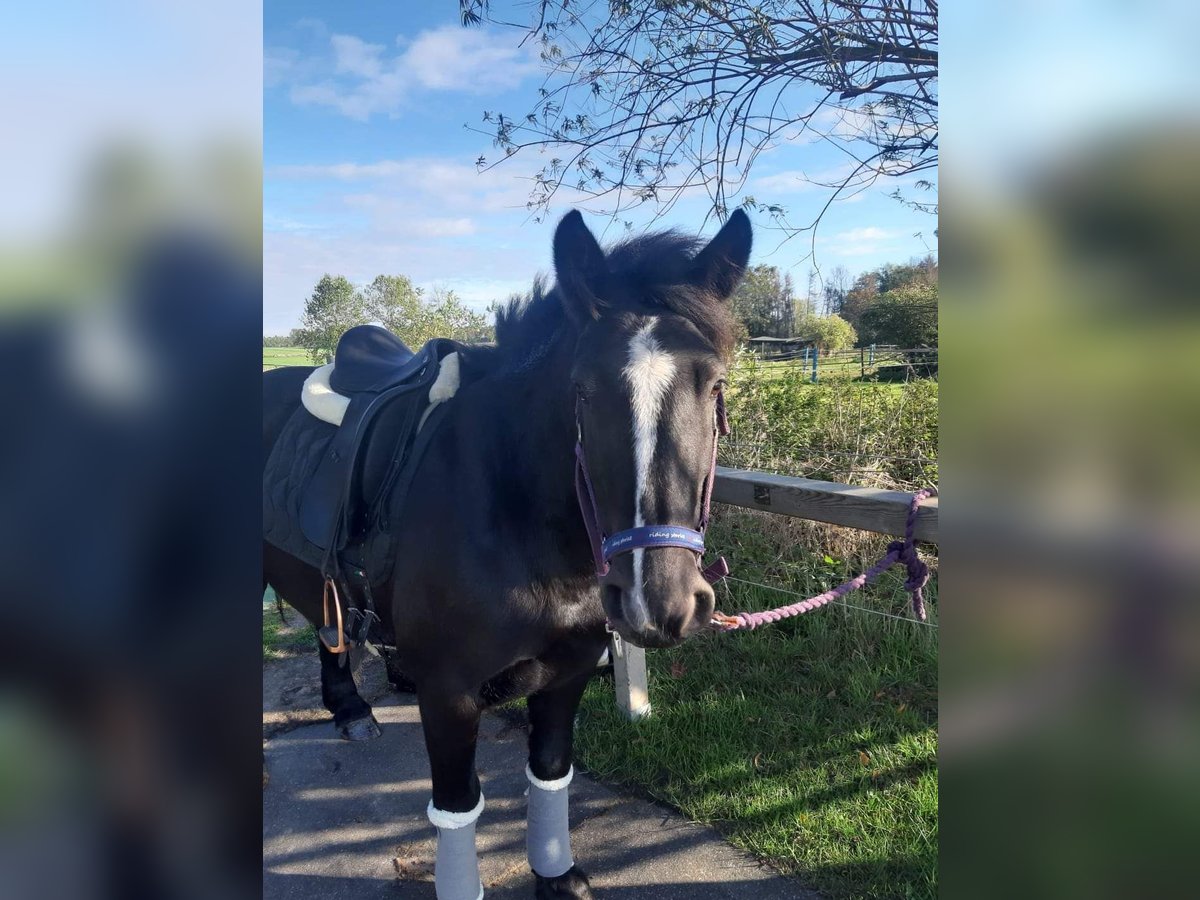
(866, 417)
(873, 363)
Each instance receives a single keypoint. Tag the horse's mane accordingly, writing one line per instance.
(654, 270)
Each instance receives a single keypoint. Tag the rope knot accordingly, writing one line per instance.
(918, 576)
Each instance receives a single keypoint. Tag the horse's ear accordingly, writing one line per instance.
(579, 266)
(719, 267)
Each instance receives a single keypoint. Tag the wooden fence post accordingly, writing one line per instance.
(629, 671)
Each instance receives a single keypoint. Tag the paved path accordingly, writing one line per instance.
(345, 821)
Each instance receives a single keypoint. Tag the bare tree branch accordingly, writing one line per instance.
(652, 100)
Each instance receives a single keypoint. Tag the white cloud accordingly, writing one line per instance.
(354, 56)
(796, 181)
(865, 241)
(454, 189)
(363, 79)
(279, 65)
(869, 233)
(479, 267)
(456, 59)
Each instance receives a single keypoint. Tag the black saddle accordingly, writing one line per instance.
(372, 359)
(345, 500)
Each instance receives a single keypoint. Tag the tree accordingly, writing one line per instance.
(333, 307)
(834, 290)
(395, 303)
(831, 332)
(763, 302)
(906, 316)
(646, 99)
(451, 318)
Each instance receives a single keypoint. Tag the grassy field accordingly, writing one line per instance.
(862, 433)
(287, 634)
(285, 356)
(811, 743)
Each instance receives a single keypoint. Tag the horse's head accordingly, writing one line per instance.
(654, 334)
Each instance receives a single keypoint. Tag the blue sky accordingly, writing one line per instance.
(369, 168)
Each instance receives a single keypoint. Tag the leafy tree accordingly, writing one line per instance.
(864, 292)
(906, 316)
(834, 290)
(333, 307)
(831, 332)
(395, 303)
(451, 318)
(764, 302)
(647, 99)
(892, 276)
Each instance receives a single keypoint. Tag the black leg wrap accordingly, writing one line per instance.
(571, 885)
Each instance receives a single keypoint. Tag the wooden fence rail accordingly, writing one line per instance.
(869, 509)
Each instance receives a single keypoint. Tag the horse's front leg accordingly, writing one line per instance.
(451, 723)
(548, 836)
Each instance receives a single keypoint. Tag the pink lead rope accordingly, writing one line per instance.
(904, 551)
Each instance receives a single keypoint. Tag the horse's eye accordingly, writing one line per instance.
(717, 388)
(581, 393)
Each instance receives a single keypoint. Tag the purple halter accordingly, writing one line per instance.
(604, 548)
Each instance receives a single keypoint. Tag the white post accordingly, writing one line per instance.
(629, 670)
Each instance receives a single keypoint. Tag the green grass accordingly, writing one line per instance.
(810, 743)
(285, 356)
(284, 637)
(860, 433)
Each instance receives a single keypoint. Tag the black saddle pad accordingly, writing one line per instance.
(333, 494)
(290, 467)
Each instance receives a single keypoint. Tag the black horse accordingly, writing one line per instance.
(494, 592)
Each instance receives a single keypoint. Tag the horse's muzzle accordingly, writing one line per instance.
(656, 619)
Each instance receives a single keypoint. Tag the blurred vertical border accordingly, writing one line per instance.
(1070, 675)
(130, 310)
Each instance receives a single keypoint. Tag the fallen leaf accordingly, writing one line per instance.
(757, 760)
(901, 708)
(864, 758)
(831, 694)
(678, 669)
(412, 868)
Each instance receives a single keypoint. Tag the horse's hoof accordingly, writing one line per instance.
(571, 885)
(364, 729)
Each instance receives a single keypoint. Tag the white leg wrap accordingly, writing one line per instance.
(548, 835)
(456, 871)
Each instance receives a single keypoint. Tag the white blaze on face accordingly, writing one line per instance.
(649, 373)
